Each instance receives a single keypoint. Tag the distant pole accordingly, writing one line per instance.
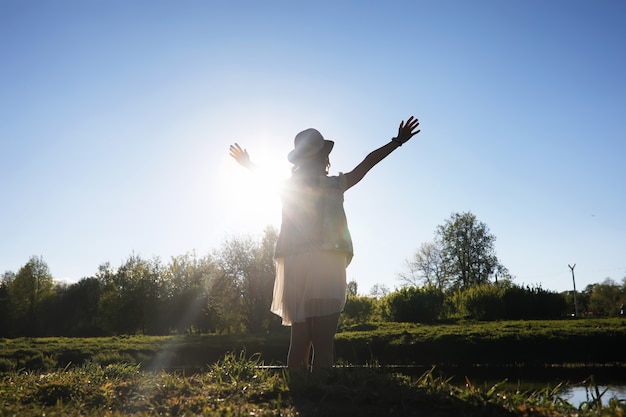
(574, 281)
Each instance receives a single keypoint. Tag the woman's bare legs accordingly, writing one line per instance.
(299, 346)
(317, 333)
(323, 331)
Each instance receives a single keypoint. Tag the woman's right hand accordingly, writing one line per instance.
(240, 155)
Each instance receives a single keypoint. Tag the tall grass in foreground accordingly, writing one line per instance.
(239, 386)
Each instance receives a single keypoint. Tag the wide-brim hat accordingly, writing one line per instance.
(307, 143)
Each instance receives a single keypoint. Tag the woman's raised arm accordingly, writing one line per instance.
(405, 132)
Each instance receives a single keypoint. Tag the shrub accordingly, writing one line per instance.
(533, 303)
(358, 309)
(481, 302)
(548, 305)
(412, 304)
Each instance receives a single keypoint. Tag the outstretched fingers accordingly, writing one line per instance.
(239, 154)
(235, 149)
(407, 130)
(412, 123)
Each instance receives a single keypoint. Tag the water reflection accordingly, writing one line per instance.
(576, 385)
(576, 395)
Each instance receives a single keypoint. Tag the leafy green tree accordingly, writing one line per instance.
(247, 278)
(352, 288)
(462, 255)
(109, 296)
(606, 298)
(132, 297)
(187, 282)
(582, 300)
(224, 303)
(623, 295)
(78, 308)
(152, 296)
(5, 311)
(32, 285)
(467, 251)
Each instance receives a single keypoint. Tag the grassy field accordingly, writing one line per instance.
(526, 343)
(510, 343)
(212, 375)
(237, 385)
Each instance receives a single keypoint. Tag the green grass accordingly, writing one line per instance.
(507, 343)
(237, 385)
(587, 341)
(152, 352)
(118, 376)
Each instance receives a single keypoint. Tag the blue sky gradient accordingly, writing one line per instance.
(116, 116)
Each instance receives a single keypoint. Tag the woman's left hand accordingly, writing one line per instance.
(407, 131)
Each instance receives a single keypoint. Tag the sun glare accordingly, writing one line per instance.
(251, 199)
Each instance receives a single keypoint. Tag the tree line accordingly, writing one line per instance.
(458, 275)
(226, 291)
(502, 300)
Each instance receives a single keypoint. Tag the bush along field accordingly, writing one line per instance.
(240, 385)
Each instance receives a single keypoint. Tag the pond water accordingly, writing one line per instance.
(578, 384)
(580, 394)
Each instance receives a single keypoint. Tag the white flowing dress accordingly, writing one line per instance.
(309, 284)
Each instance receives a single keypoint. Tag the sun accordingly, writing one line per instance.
(251, 198)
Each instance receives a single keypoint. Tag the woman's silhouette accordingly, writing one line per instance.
(314, 245)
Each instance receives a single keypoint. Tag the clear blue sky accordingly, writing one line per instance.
(116, 116)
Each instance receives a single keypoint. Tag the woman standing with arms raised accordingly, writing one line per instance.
(314, 246)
